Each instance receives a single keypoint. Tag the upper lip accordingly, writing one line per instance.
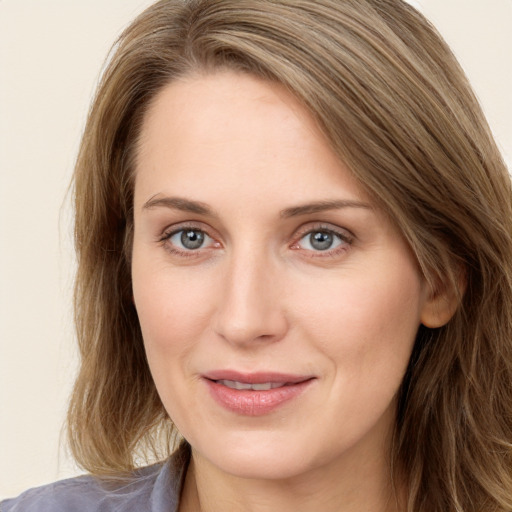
(256, 377)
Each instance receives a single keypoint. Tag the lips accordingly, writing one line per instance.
(254, 394)
(264, 386)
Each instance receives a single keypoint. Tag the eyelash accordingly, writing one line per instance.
(345, 238)
(167, 235)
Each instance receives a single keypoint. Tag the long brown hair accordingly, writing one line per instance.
(398, 110)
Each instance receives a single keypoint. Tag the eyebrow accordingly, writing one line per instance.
(322, 206)
(187, 205)
(178, 203)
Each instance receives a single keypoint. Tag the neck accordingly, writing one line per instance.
(354, 486)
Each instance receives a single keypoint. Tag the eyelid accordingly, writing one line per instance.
(181, 226)
(346, 236)
(310, 227)
(170, 231)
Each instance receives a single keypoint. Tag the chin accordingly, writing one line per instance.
(258, 455)
(262, 464)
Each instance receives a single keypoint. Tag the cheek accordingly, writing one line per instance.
(364, 321)
(174, 313)
(173, 309)
(365, 327)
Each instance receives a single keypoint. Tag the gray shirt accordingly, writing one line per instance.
(151, 489)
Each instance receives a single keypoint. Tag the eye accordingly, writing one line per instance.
(189, 239)
(323, 240)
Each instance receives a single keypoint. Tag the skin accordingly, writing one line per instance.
(259, 296)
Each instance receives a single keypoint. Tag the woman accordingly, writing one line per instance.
(293, 236)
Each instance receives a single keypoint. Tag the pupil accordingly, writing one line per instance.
(321, 240)
(192, 239)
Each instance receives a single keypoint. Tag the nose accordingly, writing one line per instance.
(251, 303)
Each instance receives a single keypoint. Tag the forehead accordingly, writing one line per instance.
(225, 105)
(225, 130)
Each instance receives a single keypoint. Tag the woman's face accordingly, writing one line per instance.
(278, 305)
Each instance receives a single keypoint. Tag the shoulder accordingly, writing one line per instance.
(152, 489)
(87, 494)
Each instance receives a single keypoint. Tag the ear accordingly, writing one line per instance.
(442, 302)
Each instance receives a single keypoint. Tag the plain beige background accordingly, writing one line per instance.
(51, 54)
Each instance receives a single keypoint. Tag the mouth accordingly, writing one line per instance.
(254, 394)
(264, 386)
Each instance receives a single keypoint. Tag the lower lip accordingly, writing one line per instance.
(248, 402)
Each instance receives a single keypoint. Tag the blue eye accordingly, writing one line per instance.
(189, 239)
(321, 240)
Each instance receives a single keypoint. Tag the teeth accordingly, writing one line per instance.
(265, 386)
